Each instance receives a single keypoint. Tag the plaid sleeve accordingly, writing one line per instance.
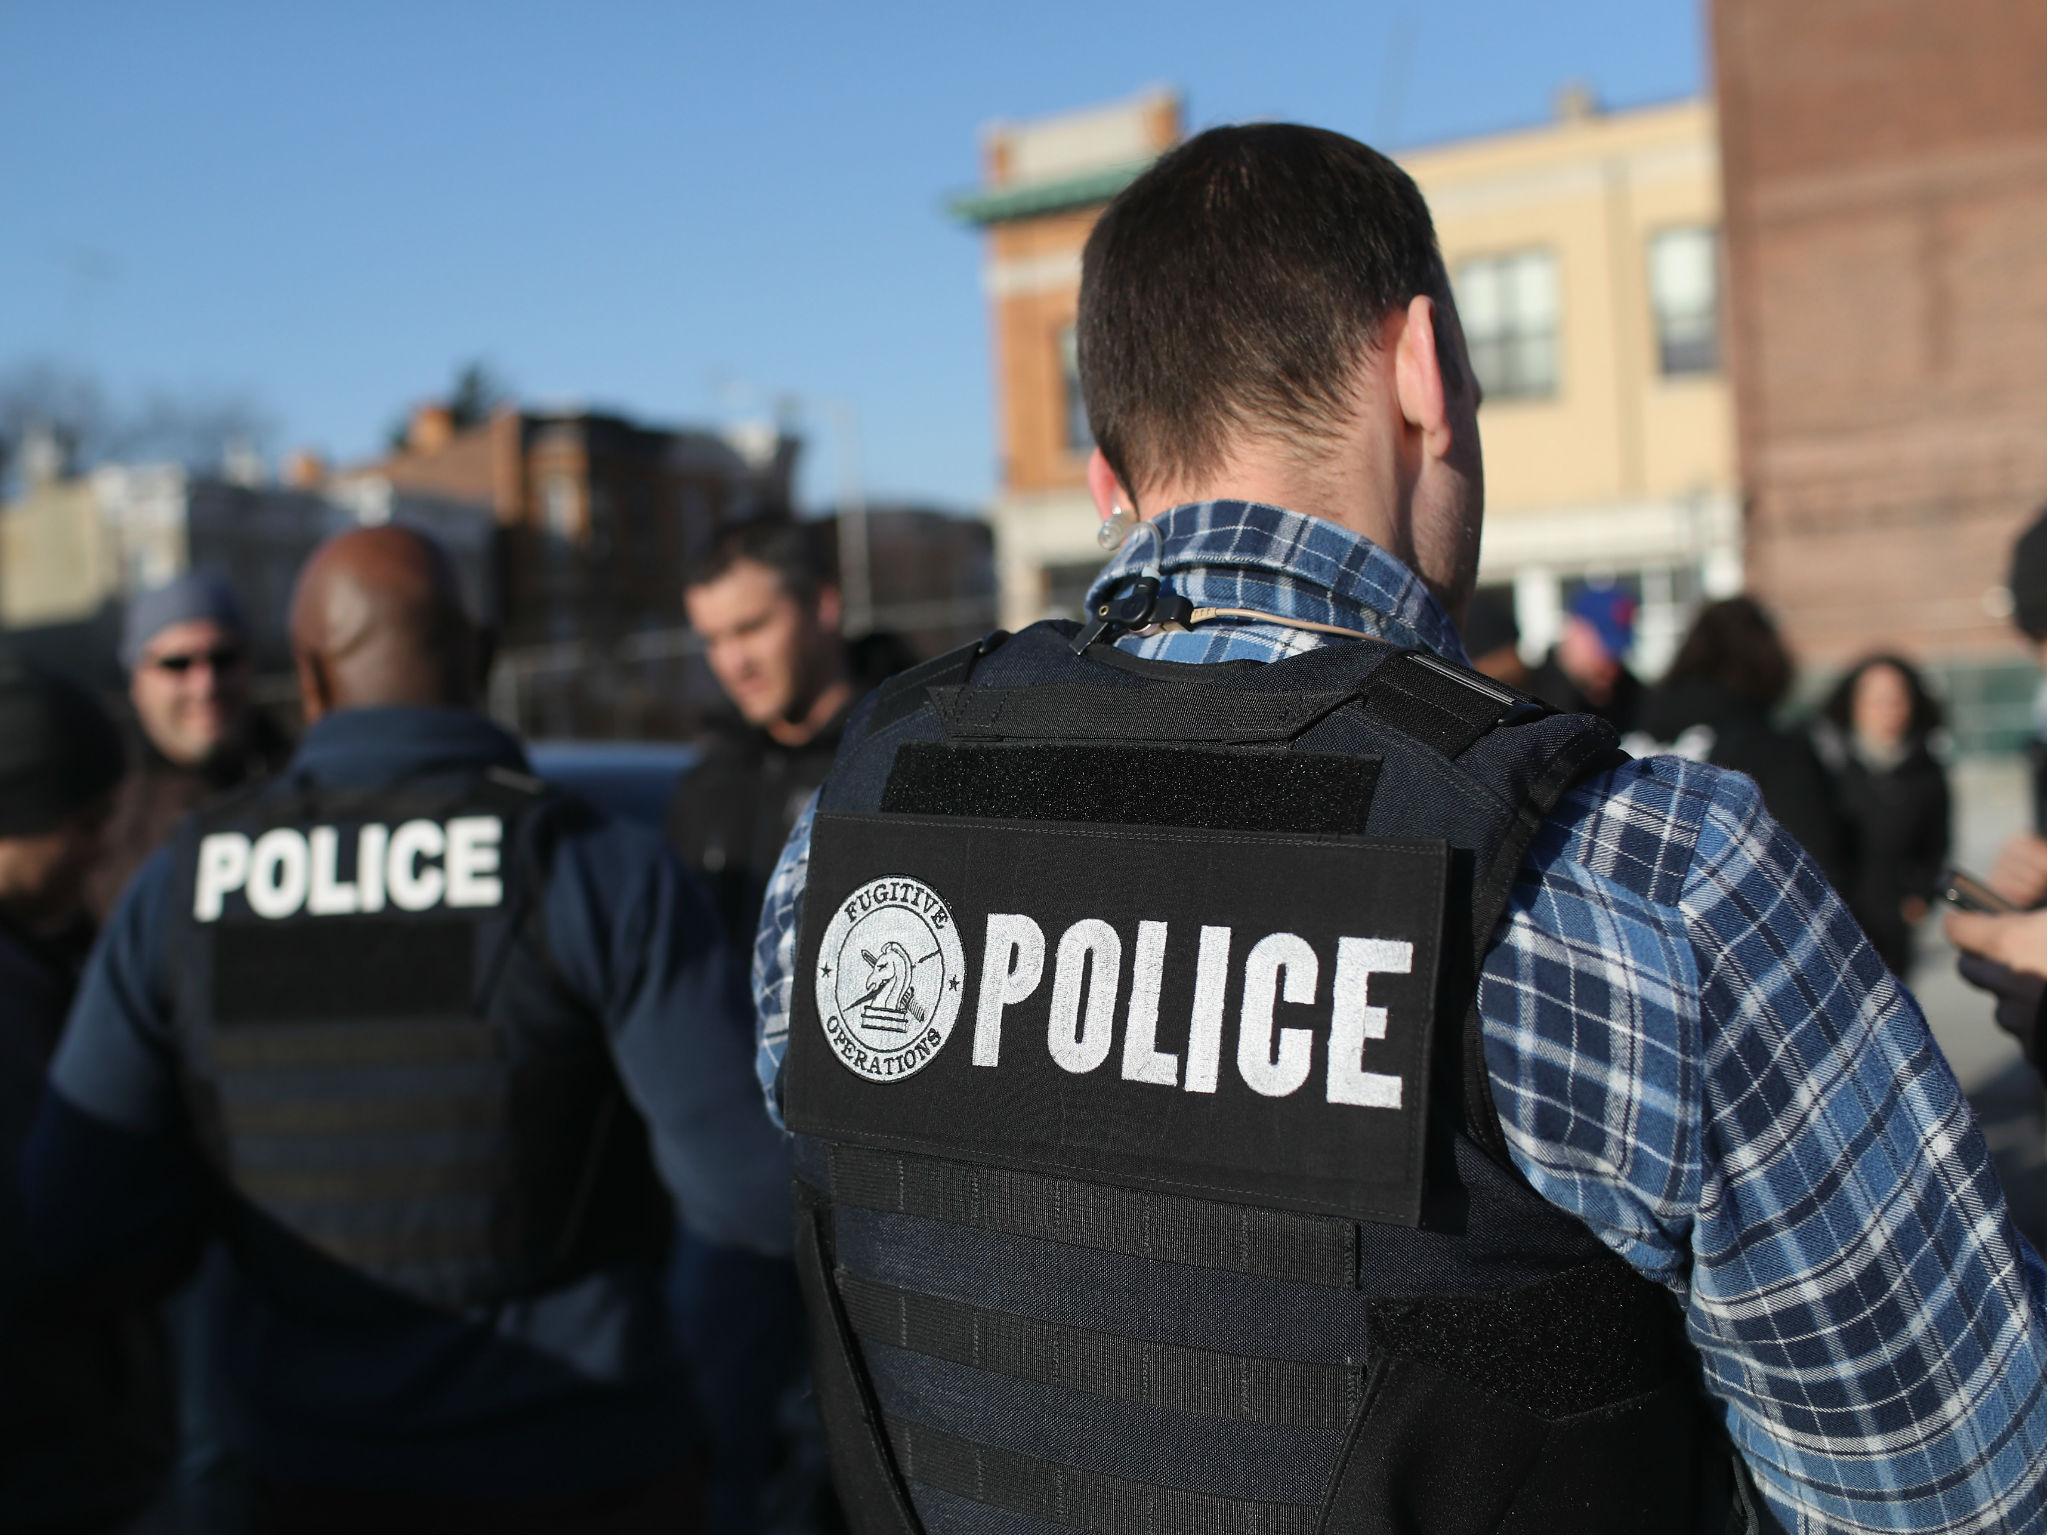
(1862, 1300)
(1695, 1050)
(775, 954)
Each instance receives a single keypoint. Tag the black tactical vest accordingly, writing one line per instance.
(1148, 1176)
(377, 1055)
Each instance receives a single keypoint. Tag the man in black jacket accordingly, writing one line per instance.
(769, 617)
(763, 600)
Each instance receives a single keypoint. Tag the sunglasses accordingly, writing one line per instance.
(219, 659)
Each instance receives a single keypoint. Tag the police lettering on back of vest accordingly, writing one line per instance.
(412, 867)
(891, 971)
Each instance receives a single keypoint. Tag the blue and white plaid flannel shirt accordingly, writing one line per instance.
(1695, 1051)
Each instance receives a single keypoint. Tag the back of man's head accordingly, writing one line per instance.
(59, 759)
(378, 619)
(1230, 292)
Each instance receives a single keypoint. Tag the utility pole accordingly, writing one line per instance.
(856, 581)
(856, 586)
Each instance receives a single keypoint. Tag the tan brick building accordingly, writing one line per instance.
(1884, 163)
(1045, 185)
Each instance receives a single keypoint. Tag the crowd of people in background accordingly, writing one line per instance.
(1857, 774)
(100, 1409)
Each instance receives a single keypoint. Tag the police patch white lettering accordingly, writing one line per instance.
(890, 970)
(1143, 1062)
(420, 865)
(1286, 964)
(1091, 958)
(1012, 960)
(1353, 1021)
(1278, 968)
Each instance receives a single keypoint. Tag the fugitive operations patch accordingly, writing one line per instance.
(888, 978)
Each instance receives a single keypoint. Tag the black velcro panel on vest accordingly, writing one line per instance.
(1577, 1388)
(1243, 790)
(1163, 712)
(1592, 1335)
(1249, 934)
(342, 968)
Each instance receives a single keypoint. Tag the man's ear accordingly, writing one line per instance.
(831, 609)
(1419, 379)
(316, 693)
(1103, 485)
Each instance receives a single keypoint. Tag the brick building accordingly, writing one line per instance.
(597, 513)
(1883, 167)
(1044, 185)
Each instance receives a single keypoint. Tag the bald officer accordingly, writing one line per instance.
(438, 1052)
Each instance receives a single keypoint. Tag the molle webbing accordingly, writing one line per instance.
(372, 1184)
(1069, 1498)
(451, 1241)
(1167, 1229)
(383, 1117)
(1240, 1388)
(363, 1042)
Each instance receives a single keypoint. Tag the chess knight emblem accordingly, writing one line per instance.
(889, 978)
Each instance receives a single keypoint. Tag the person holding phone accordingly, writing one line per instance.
(2005, 952)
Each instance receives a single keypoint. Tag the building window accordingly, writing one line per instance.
(1685, 296)
(1075, 409)
(558, 506)
(1509, 308)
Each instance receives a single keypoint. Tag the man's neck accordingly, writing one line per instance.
(1358, 497)
(831, 699)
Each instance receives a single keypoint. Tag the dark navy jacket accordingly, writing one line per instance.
(581, 1387)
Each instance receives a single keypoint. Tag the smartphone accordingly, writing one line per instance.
(1961, 889)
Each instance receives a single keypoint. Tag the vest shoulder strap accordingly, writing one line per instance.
(1109, 697)
(904, 694)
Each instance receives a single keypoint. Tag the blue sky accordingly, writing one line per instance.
(682, 210)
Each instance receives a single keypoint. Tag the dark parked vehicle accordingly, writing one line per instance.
(632, 779)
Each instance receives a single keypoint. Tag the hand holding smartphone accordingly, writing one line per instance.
(1964, 891)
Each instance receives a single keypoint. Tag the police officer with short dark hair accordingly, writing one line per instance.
(1250, 1072)
(422, 1040)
